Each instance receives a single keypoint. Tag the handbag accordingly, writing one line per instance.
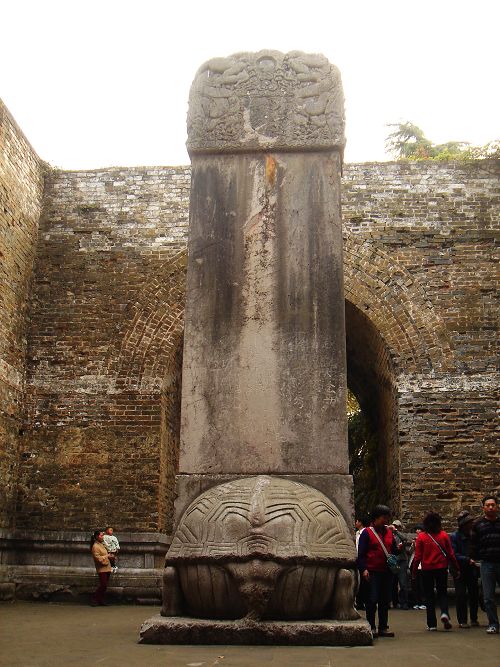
(391, 559)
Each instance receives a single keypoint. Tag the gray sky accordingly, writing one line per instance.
(103, 83)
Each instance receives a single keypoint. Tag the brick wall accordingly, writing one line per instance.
(107, 319)
(105, 344)
(21, 185)
(421, 264)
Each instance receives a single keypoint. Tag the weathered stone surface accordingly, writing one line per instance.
(21, 188)
(264, 352)
(71, 583)
(262, 517)
(52, 565)
(338, 488)
(71, 549)
(266, 101)
(261, 547)
(160, 630)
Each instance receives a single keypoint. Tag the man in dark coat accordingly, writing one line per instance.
(466, 586)
(485, 539)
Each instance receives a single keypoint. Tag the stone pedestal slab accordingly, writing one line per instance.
(64, 584)
(57, 565)
(178, 630)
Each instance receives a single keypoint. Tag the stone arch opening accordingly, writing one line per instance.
(370, 377)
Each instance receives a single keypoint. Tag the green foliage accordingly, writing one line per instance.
(362, 457)
(408, 142)
(491, 150)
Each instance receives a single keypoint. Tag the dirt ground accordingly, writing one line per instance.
(47, 634)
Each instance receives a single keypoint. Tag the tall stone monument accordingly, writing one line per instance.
(264, 377)
(262, 553)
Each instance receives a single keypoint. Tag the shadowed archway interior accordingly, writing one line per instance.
(370, 377)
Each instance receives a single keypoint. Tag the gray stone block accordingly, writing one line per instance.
(160, 630)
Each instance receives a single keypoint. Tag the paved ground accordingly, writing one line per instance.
(46, 634)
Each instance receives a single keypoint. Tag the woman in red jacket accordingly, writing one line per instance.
(375, 543)
(433, 549)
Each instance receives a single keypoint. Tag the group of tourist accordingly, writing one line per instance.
(104, 546)
(388, 560)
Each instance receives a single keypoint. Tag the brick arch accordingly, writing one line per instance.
(396, 304)
(142, 354)
(145, 362)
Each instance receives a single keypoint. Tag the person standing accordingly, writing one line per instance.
(417, 585)
(485, 541)
(102, 566)
(466, 586)
(360, 524)
(375, 543)
(401, 579)
(434, 551)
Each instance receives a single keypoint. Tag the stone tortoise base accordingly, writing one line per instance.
(182, 630)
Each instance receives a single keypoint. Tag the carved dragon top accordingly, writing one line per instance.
(266, 101)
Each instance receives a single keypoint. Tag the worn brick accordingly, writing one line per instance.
(21, 187)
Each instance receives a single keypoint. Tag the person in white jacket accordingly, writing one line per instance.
(360, 524)
(113, 546)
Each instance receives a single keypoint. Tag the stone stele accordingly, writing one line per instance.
(264, 370)
(260, 554)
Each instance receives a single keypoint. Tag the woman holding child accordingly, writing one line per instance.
(102, 566)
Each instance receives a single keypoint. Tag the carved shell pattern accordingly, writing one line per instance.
(262, 517)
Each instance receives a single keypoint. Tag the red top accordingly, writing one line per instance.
(430, 555)
(374, 558)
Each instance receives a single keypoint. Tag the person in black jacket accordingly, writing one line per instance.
(466, 586)
(401, 584)
(485, 540)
